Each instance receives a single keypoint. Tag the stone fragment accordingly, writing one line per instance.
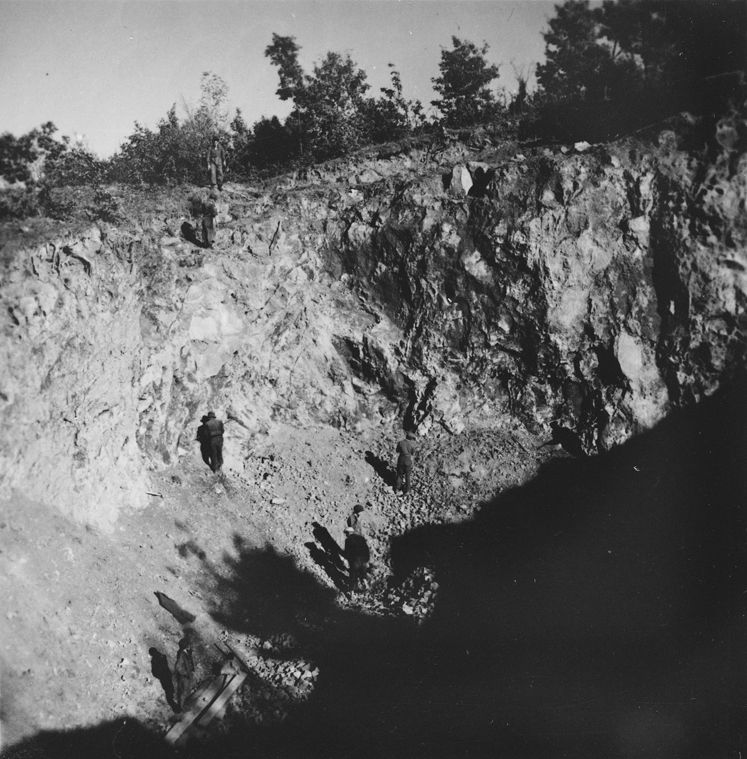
(639, 227)
(461, 181)
(368, 177)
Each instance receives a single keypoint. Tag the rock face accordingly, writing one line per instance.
(68, 388)
(455, 287)
(596, 290)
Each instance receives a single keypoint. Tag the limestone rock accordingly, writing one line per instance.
(461, 181)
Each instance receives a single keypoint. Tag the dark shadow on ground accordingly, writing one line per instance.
(328, 555)
(189, 233)
(382, 468)
(119, 739)
(159, 667)
(597, 611)
(265, 593)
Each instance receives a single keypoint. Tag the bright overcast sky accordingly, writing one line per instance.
(96, 67)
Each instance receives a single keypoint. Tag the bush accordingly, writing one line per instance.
(19, 202)
(105, 207)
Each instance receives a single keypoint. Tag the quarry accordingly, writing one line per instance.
(562, 325)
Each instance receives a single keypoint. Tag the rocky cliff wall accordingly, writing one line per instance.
(595, 289)
(446, 284)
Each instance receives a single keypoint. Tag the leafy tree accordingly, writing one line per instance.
(273, 144)
(463, 85)
(331, 106)
(170, 154)
(23, 159)
(576, 65)
(392, 116)
(75, 166)
(626, 46)
(328, 115)
(213, 96)
(283, 52)
(175, 151)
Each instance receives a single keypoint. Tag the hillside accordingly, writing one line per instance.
(490, 298)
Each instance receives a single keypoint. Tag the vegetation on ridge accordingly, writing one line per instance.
(608, 70)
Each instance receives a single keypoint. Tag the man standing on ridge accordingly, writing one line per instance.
(215, 163)
(406, 449)
(215, 430)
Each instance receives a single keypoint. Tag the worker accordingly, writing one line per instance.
(215, 163)
(406, 449)
(215, 429)
(209, 214)
(184, 672)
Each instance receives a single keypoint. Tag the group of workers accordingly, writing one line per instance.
(210, 436)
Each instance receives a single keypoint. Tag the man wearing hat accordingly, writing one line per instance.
(406, 450)
(215, 431)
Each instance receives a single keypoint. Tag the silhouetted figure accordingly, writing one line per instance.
(184, 672)
(328, 544)
(328, 555)
(358, 555)
(321, 558)
(406, 449)
(159, 666)
(190, 234)
(215, 163)
(215, 430)
(381, 468)
(209, 212)
(203, 438)
(567, 439)
(480, 181)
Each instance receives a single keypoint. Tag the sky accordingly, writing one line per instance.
(96, 67)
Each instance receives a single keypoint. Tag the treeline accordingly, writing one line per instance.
(607, 69)
(624, 64)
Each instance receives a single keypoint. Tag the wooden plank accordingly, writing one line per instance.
(243, 664)
(233, 684)
(206, 704)
(198, 702)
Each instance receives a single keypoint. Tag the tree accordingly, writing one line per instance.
(273, 144)
(22, 159)
(627, 46)
(576, 65)
(175, 151)
(328, 117)
(332, 103)
(464, 84)
(213, 96)
(519, 100)
(283, 52)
